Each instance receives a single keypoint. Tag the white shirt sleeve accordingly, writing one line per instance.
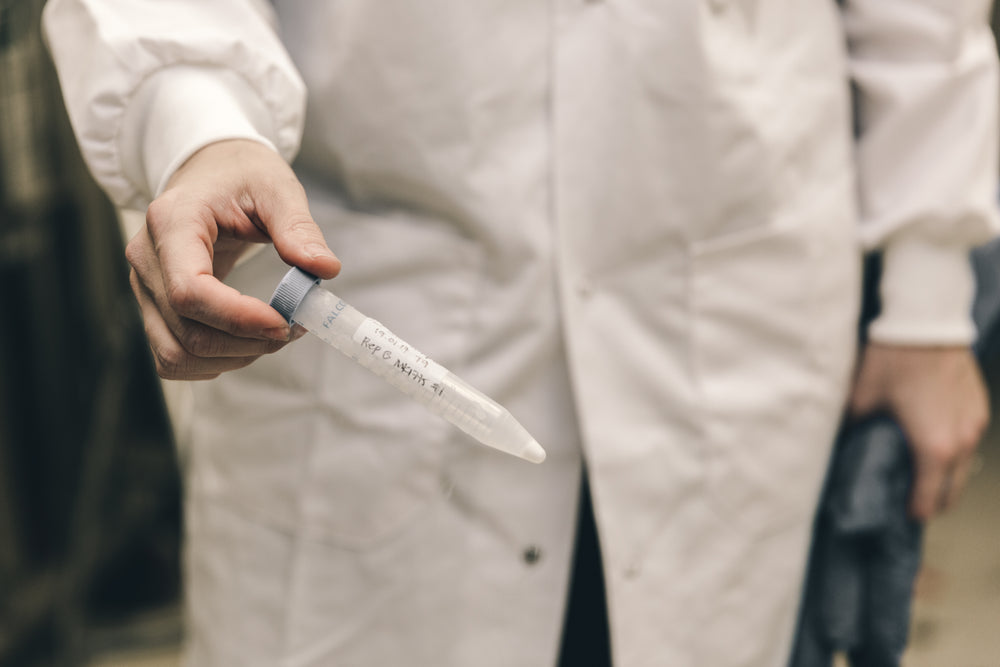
(927, 96)
(147, 83)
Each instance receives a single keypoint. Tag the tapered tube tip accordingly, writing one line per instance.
(533, 452)
(509, 436)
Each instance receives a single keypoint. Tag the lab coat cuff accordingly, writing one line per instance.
(180, 109)
(926, 291)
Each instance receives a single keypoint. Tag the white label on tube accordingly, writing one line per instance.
(391, 350)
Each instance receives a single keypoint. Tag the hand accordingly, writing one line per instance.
(940, 400)
(227, 196)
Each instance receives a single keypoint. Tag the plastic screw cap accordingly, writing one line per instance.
(291, 290)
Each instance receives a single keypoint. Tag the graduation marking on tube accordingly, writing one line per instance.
(301, 300)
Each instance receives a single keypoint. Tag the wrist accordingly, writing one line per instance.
(160, 132)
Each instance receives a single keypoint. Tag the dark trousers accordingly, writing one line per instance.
(585, 640)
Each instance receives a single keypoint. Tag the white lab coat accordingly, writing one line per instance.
(632, 222)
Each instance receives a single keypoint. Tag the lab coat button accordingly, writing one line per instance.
(632, 572)
(584, 289)
(531, 554)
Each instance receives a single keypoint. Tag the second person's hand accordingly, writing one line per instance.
(940, 400)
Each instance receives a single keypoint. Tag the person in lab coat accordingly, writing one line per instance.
(636, 224)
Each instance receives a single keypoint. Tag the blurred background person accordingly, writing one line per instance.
(89, 490)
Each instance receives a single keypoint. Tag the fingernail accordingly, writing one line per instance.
(278, 333)
(318, 251)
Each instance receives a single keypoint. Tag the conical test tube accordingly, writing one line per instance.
(301, 300)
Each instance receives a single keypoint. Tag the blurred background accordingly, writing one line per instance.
(90, 515)
(89, 487)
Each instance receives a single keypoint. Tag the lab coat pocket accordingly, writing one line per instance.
(765, 353)
(378, 455)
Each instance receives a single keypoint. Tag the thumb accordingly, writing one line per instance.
(871, 390)
(284, 212)
(866, 395)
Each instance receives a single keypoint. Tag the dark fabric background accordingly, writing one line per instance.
(89, 490)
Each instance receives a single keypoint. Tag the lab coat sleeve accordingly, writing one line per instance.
(147, 83)
(925, 73)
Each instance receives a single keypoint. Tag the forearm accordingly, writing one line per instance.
(926, 79)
